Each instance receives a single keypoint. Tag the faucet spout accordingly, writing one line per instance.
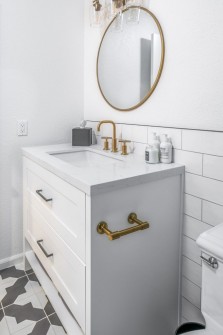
(114, 139)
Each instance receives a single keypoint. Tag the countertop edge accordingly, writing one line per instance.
(92, 190)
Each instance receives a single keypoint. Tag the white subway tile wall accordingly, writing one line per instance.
(190, 312)
(134, 133)
(191, 250)
(193, 206)
(212, 213)
(191, 160)
(193, 227)
(204, 188)
(191, 292)
(205, 142)
(202, 154)
(191, 270)
(213, 167)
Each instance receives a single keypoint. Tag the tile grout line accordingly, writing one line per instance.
(203, 165)
(202, 208)
(212, 202)
(5, 319)
(155, 126)
(191, 281)
(192, 217)
(191, 260)
(178, 148)
(187, 298)
(181, 131)
(191, 303)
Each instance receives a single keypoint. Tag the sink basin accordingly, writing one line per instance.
(86, 158)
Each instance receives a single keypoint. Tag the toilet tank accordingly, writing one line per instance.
(211, 244)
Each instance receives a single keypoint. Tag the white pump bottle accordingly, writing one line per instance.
(166, 149)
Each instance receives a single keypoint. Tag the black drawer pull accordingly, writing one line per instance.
(39, 192)
(43, 250)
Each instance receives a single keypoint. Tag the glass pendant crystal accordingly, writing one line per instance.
(117, 25)
(133, 16)
(96, 13)
(130, 3)
(103, 11)
(115, 7)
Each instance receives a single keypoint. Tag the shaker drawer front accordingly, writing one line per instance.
(62, 205)
(66, 270)
(74, 239)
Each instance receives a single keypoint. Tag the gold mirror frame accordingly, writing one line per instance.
(160, 68)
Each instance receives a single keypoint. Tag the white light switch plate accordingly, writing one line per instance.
(22, 127)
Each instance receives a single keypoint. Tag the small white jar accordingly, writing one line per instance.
(151, 155)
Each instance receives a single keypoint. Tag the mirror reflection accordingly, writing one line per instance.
(130, 58)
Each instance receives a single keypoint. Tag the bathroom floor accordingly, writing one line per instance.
(24, 306)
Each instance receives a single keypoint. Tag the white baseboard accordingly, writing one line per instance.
(11, 261)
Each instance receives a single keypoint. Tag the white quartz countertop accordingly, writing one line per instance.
(98, 176)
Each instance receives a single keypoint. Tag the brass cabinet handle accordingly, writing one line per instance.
(43, 250)
(102, 228)
(39, 192)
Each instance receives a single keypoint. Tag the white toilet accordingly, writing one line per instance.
(211, 244)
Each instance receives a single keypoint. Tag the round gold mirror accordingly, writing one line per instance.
(130, 58)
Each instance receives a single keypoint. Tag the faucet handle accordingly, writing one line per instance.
(106, 143)
(124, 147)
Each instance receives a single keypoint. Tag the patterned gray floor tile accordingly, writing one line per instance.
(42, 327)
(11, 272)
(24, 306)
(3, 324)
(57, 325)
(36, 286)
(58, 330)
(24, 314)
(33, 277)
(49, 308)
(13, 289)
(20, 266)
(30, 271)
(45, 303)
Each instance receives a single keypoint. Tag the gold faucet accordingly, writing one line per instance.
(114, 139)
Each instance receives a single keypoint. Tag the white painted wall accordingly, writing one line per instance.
(41, 71)
(189, 94)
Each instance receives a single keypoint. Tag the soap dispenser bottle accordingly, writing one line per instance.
(166, 149)
(155, 141)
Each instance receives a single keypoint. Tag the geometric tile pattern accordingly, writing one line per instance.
(24, 306)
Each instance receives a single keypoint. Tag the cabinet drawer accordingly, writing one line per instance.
(66, 270)
(65, 213)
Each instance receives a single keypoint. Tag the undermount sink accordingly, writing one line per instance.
(83, 158)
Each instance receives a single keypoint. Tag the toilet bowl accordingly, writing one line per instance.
(211, 245)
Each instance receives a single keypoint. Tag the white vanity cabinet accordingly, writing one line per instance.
(127, 286)
(60, 226)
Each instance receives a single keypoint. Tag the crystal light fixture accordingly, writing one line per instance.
(96, 13)
(116, 6)
(103, 10)
(130, 3)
